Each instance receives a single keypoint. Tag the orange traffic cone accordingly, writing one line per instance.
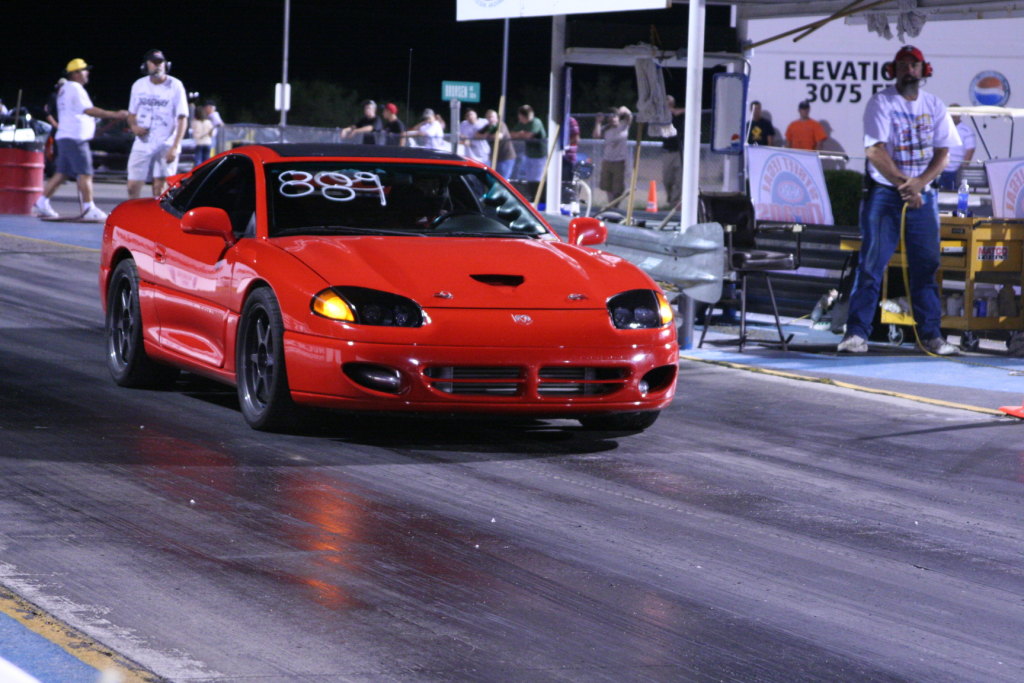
(652, 197)
(1015, 411)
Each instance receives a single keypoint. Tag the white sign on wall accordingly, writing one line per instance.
(467, 10)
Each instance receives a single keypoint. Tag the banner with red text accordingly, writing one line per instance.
(1006, 183)
(788, 185)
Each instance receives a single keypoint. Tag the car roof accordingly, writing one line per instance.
(354, 151)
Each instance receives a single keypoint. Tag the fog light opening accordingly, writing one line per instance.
(657, 379)
(376, 377)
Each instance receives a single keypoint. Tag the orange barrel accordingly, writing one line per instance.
(21, 179)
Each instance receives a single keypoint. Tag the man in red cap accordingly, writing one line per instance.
(393, 126)
(907, 136)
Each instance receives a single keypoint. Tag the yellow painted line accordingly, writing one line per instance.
(42, 241)
(846, 385)
(76, 643)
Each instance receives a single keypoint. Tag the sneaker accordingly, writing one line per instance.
(94, 213)
(940, 347)
(853, 343)
(43, 209)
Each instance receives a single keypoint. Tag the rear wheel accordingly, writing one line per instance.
(126, 355)
(621, 422)
(263, 391)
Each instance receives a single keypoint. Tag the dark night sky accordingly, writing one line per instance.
(231, 49)
(235, 52)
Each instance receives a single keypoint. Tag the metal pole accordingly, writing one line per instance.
(556, 117)
(408, 89)
(284, 63)
(691, 144)
(504, 62)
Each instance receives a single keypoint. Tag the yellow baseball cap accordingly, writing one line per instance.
(76, 65)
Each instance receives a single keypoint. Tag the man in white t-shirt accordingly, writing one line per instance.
(960, 155)
(158, 116)
(907, 136)
(75, 112)
(477, 149)
(430, 133)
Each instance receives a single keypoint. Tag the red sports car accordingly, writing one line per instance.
(367, 278)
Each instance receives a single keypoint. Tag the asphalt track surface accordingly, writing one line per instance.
(763, 530)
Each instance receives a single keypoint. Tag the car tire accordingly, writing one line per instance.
(127, 360)
(621, 422)
(260, 374)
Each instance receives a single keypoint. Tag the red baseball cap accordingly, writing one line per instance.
(908, 53)
(391, 107)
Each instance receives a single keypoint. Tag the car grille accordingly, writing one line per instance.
(551, 382)
(476, 380)
(580, 381)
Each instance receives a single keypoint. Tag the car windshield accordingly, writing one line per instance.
(352, 197)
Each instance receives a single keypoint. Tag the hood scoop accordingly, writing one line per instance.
(497, 280)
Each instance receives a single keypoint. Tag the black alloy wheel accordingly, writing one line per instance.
(127, 360)
(263, 392)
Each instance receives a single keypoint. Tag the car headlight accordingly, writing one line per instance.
(364, 306)
(639, 309)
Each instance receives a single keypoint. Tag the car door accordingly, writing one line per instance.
(194, 272)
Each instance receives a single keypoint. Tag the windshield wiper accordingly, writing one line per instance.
(342, 230)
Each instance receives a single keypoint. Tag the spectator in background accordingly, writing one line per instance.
(202, 135)
(959, 155)
(158, 115)
(530, 129)
(805, 132)
(613, 129)
(497, 130)
(210, 109)
(429, 132)
(762, 132)
(572, 145)
(77, 117)
(477, 149)
(367, 130)
(50, 108)
(393, 126)
(672, 156)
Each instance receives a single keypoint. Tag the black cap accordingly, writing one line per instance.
(804, 105)
(154, 56)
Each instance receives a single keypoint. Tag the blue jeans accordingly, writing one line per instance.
(880, 235)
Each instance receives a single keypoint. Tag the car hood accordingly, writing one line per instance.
(466, 272)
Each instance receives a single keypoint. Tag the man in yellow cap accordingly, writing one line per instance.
(75, 112)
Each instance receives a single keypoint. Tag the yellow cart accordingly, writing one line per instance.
(974, 251)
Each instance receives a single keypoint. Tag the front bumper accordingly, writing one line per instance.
(539, 381)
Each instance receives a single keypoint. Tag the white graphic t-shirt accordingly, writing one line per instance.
(72, 101)
(157, 106)
(967, 140)
(910, 129)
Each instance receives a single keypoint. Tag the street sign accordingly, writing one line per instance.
(464, 91)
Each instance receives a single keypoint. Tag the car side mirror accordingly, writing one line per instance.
(585, 230)
(208, 220)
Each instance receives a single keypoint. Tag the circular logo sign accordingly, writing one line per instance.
(990, 88)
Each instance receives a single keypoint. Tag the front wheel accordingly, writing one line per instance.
(126, 355)
(621, 422)
(263, 392)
